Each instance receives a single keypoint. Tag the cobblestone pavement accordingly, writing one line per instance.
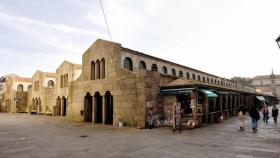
(26, 136)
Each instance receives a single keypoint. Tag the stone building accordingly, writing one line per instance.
(66, 73)
(42, 92)
(14, 93)
(116, 84)
(268, 84)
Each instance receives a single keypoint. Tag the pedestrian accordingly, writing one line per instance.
(265, 113)
(241, 115)
(274, 112)
(255, 116)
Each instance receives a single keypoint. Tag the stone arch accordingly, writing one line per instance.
(154, 67)
(142, 65)
(88, 107)
(50, 83)
(64, 106)
(164, 70)
(188, 75)
(20, 88)
(92, 70)
(102, 68)
(198, 77)
(203, 79)
(109, 108)
(98, 110)
(180, 73)
(57, 110)
(128, 64)
(173, 72)
(208, 80)
(97, 69)
(193, 76)
(66, 80)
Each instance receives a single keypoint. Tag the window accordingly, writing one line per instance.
(61, 81)
(173, 72)
(203, 78)
(198, 77)
(102, 68)
(154, 67)
(142, 65)
(218, 82)
(211, 80)
(208, 80)
(20, 88)
(97, 69)
(128, 64)
(92, 70)
(50, 83)
(188, 75)
(66, 80)
(193, 76)
(164, 70)
(36, 87)
(215, 81)
(180, 73)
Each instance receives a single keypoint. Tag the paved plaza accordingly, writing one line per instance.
(27, 136)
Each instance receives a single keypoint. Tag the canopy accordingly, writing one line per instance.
(261, 98)
(177, 91)
(209, 93)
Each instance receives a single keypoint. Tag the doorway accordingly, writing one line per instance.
(64, 106)
(108, 108)
(98, 108)
(88, 108)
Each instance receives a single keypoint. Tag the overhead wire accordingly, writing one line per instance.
(106, 20)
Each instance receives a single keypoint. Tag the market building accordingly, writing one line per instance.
(42, 92)
(14, 93)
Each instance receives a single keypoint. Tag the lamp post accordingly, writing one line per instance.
(278, 41)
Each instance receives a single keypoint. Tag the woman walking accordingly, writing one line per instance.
(241, 115)
(265, 113)
(275, 113)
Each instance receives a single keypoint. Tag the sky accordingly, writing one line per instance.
(225, 38)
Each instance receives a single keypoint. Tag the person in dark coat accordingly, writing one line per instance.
(274, 112)
(241, 115)
(255, 116)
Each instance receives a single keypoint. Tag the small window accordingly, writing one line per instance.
(20, 88)
(208, 80)
(180, 73)
(211, 80)
(154, 67)
(173, 71)
(203, 78)
(50, 83)
(193, 76)
(164, 70)
(142, 65)
(128, 64)
(198, 77)
(218, 82)
(215, 81)
(188, 75)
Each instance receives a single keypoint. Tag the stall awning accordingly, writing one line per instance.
(261, 98)
(177, 91)
(209, 93)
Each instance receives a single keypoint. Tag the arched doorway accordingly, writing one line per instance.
(39, 105)
(64, 106)
(108, 108)
(58, 107)
(88, 108)
(98, 108)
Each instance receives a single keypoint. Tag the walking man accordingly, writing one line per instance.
(255, 116)
(265, 113)
(275, 113)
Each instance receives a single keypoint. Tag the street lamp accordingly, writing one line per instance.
(278, 41)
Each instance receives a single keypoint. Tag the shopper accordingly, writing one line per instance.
(274, 112)
(265, 113)
(255, 116)
(241, 115)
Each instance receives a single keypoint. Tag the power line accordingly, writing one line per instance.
(106, 20)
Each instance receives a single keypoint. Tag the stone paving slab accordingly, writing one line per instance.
(26, 136)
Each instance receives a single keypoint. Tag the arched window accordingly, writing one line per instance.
(222, 83)
(97, 69)
(198, 77)
(142, 65)
(92, 70)
(193, 76)
(215, 81)
(211, 80)
(50, 83)
(164, 70)
(102, 68)
(128, 64)
(218, 82)
(173, 72)
(203, 78)
(61, 81)
(188, 75)
(66, 80)
(20, 88)
(154, 67)
(180, 73)
(208, 80)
